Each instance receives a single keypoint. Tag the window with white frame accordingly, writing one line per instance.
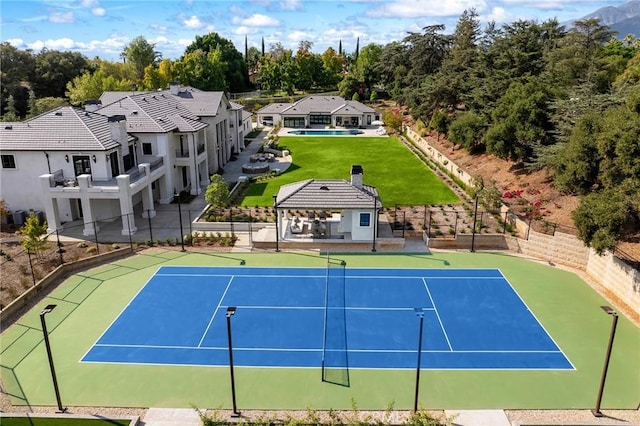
(365, 219)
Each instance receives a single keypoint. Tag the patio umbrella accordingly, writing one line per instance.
(377, 123)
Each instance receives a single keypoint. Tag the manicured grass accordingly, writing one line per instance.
(400, 177)
(87, 303)
(49, 421)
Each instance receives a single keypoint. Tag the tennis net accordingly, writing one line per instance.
(335, 362)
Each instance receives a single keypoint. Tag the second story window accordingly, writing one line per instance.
(8, 161)
(146, 148)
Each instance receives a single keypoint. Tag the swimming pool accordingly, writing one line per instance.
(326, 132)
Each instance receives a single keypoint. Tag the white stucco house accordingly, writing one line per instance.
(318, 110)
(354, 204)
(128, 150)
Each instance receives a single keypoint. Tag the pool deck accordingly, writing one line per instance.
(368, 131)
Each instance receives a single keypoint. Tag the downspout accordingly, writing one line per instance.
(48, 164)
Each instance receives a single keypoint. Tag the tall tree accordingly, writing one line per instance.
(17, 70)
(309, 67)
(340, 47)
(357, 52)
(455, 80)
(139, 54)
(54, 69)
(89, 86)
(520, 121)
(262, 51)
(236, 74)
(332, 65)
(204, 70)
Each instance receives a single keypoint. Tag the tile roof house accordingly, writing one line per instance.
(358, 205)
(128, 151)
(318, 110)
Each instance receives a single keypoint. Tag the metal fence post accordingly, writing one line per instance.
(504, 226)
(429, 225)
(95, 234)
(33, 275)
(129, 232)
(59, 246)
(150, 229)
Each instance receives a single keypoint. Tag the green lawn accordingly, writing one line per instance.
(400, 177)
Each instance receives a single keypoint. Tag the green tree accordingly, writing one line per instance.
(577, 164)
(33, 235)
(439, 122)
(520, 121)
(393, 119)
(10, 113)
(217, 193)
(47, 104)
(90, 86)
(159, 77)
(309, 67)
(139, 54)
(454, 81)
(366, 66)
(332, 65)
(204, 70)
(467, 130)
(603, 218)
(17, 69)
(32, 109)
(54, 69)
(235, 74)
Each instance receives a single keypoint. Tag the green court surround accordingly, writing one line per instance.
(89, 301)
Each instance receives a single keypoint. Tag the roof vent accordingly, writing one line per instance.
(58, 113)
(324, 188)
(8, 127)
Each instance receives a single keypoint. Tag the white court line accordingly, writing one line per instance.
(437, 314)
(121, 312)
(537, 320)
(215, 312)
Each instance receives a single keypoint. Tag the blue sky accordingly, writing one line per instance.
(104, 27)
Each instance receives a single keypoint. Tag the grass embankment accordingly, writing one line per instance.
(400, 177)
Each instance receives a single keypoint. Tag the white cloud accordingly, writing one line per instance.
(424, 8)
(259, 20)
(16, 42)
(89, 3)
(98, 11)
(300, 35)
(62, 17)
(193, 22)
(244, 30)
(158, 28)
(499, 15)
(58, 44)
(291, 4)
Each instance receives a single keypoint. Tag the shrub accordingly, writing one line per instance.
(92, 250)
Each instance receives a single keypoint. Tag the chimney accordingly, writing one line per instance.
(174, 88)
(118, 127)
(92, 106)
(356, 176)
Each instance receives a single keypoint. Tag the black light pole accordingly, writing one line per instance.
(175, 194)
(275, 206)
(473, 235)
(374, 220)
(47, 345)
(420, 314)
(596, 412)
(231, 310)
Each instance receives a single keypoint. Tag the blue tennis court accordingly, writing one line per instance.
(344, 317)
